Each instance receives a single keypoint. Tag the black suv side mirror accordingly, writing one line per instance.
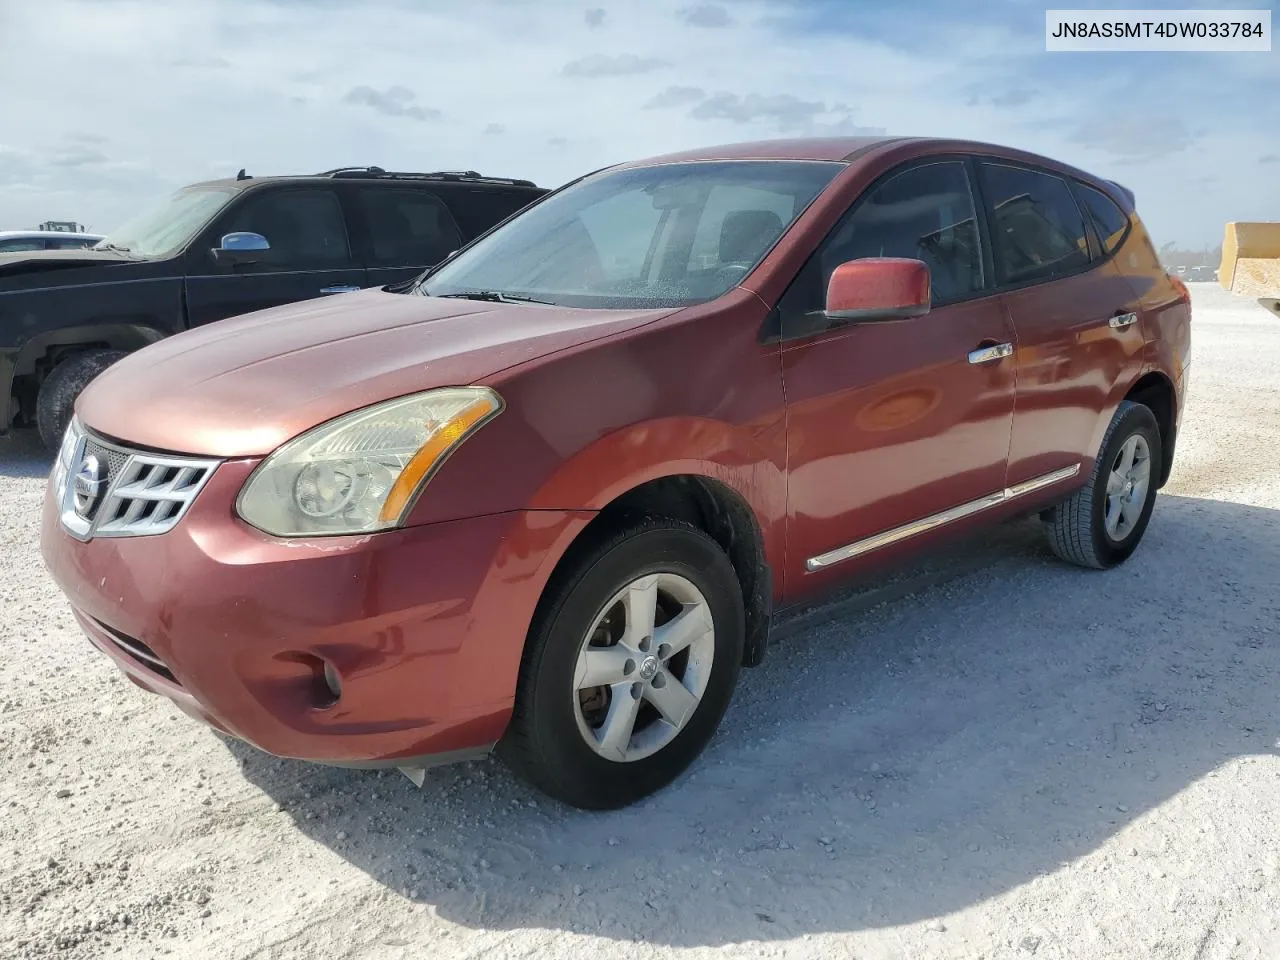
(241, 248)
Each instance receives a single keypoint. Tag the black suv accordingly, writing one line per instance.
(219, 249)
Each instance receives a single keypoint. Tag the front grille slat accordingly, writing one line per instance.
(145, 493)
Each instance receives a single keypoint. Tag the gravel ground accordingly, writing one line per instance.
(992, 755)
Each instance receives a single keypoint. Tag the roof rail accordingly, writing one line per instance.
(346, 171)
(458, 176)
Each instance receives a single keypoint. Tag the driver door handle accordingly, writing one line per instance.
(997, 351)
(340, 288)
(1122, 320)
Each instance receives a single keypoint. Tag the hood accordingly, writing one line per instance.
(59, 266)
(241, 387)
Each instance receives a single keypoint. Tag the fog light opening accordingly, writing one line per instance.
(330, 691)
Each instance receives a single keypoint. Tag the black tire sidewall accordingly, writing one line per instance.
(1136, 419)
(55, 403)
(570, 768)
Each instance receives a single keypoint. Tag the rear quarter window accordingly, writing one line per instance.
(1109, 221)
(478, 210)
(407, 227)
(20, 246)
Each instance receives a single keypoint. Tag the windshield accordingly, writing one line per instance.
(669, 235)
(167, 228)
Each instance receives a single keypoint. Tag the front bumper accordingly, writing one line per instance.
(423, 627)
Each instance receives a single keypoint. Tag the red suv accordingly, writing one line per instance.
(549, 497)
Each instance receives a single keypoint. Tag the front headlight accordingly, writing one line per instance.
(62, 463)
(362, 472)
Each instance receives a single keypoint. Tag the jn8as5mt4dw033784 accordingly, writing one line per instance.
(549, 497)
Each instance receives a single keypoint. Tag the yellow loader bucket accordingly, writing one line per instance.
(1251, 262)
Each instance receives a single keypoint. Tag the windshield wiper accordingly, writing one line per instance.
(104, 245)
(490, 296)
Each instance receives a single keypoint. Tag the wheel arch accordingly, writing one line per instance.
(1155, 391)
(59, 343)
(714, 507)
(31, 363)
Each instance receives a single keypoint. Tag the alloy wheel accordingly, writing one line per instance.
(1127, 486)
(643, 667)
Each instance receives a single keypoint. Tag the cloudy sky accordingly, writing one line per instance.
(107, 104)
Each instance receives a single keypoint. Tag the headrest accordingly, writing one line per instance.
(745, 234)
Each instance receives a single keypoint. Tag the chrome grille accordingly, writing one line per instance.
(115, 459)
(108, 490)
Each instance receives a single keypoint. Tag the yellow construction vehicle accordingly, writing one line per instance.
(1251, 262)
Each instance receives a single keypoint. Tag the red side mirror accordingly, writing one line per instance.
(878, 288)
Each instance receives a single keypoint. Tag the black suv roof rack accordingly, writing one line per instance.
(460, 176)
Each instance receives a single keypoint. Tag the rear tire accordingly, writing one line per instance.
(1102, 523)
(630, 665)
(55, 403)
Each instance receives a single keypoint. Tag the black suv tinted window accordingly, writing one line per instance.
(304, 227)
(923, 213)
(478, 210)
(1037, 228)
(1109, 221)
(407, 228)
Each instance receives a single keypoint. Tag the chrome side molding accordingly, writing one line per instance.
(917, 527)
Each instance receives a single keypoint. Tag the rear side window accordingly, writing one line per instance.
(407, 228)
(71, 243)
(1109, 221)
(304, 227)
(924, 213)
(1037, 229)
(20, 246)
(478, 210)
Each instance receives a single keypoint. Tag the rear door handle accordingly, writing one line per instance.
(1122, 320)
(996, 351)
(341, 288)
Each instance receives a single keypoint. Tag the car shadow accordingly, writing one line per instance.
(23, 456)
(942, 736)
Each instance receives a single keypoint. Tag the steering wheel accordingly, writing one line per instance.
(733, 271)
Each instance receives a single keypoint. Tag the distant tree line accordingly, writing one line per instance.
(1171, 255)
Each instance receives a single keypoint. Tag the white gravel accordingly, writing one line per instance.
(1005, 758)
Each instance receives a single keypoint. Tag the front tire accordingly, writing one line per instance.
(630, 665)
(56, 400)
(1102, 523)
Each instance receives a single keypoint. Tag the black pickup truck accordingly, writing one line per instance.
(220, 249)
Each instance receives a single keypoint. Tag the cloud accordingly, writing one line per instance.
(622, 65)
(1269, 158)
(1135, 138)
(197, 62)
(594, 17)
(783, 111)
(1009, 98)
(393, 102)
(706, 15)
(558, 141)
(675, 97)
(78, 156)
(494, 129)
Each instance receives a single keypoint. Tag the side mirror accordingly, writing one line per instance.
(878, 288)
(241, 248)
